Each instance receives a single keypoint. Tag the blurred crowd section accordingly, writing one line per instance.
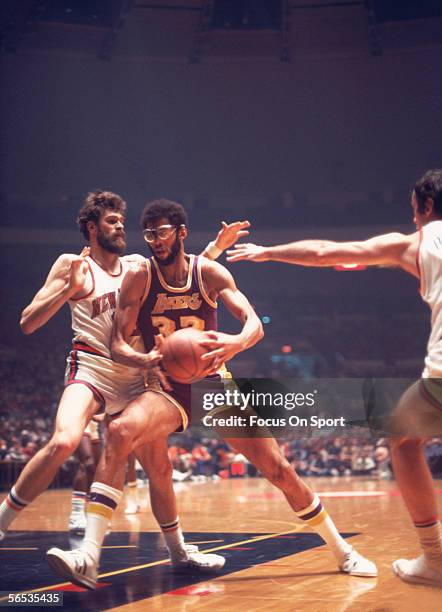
(32, 381)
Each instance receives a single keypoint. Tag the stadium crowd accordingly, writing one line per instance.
(31, 382)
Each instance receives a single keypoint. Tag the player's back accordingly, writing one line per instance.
(430, 269)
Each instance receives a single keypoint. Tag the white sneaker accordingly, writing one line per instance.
(355, 564)
(417, 571)
(77, 566)
(132, 507)
(205, 563)
(77, 523)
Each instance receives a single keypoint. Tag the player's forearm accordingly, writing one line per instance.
(252, 331)
(42, 309)
(306, 253)
(123, 353)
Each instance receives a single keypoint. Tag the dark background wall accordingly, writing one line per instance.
(327, 144)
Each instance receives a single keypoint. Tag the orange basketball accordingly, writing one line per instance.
(182, 356)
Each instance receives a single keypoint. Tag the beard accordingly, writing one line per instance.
(174, 251)
(115, 244)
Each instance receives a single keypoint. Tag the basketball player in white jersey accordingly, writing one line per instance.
(90, 283)
(420, 408)
(167, 292)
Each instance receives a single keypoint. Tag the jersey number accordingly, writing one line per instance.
(167, 326)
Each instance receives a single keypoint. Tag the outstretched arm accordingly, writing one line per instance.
(227, 236)
(393, 249)
(220, 283)
(125, 321)
(65, 280)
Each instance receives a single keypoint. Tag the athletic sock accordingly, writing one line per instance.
(430, 539)
(174, 540)
(317, 518)
(132, 490)
(10, 507)
(102, 502)
(78, 502)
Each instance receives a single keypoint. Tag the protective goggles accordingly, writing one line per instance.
(162, 233)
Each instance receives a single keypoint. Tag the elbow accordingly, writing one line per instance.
(321, 256)
(26, 326)
(324, 256)
(259, 332)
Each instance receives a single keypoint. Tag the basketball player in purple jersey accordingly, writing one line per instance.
(419, 410)
(90, 284)
(170, 291)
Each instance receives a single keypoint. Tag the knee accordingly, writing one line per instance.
(62, 445)
(119, 437)
(405, 445)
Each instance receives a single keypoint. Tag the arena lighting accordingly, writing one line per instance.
(265, 320)
(349, 267)
(286, 348)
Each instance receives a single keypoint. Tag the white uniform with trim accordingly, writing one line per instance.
(430, 268)
(90, 363)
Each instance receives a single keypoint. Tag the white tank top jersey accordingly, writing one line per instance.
(92, 315)
(429, 262)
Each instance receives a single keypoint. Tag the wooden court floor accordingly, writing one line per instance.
(273, 562)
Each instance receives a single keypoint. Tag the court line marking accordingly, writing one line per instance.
(136, 568)
(4, 548)
(206, 542)
(126, 546)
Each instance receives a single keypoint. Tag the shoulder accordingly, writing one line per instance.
(396, 239)
(211, 267)
(134, 258)
(137, 272)
(214, 274)
(63, 262)
(134, 262)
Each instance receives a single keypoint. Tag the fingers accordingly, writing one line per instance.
(211, 334)
(164, 381)
(233, 256)
(217, 353)
(85, 251)
(243, 233)
(99, 417)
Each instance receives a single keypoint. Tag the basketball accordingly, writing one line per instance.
(182, 356)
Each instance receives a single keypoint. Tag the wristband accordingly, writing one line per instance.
(212, 250)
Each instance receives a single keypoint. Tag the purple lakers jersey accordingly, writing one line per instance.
(166, 309)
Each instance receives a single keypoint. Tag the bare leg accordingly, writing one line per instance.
(147, 418)
(154, 458)
(77, 405)
(416, 415)
(266, 455)
(132, 506)
(414, 478)
(155, 461)
(86, 469)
